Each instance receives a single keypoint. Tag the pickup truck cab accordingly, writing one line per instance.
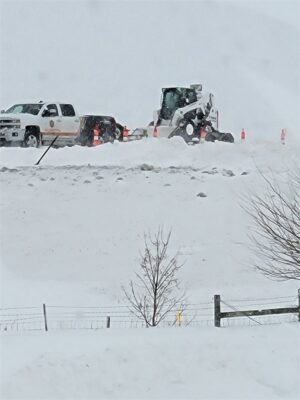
(34, 124)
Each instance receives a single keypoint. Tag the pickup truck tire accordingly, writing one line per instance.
(31, 139)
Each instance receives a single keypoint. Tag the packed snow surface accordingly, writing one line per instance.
(71, 235)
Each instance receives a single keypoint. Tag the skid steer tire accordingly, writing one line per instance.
(210, 137)
(186, 130)
(228, 138)
(221, 137)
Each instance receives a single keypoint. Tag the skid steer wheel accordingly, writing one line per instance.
(185, 129)
(210, 137)
(32, 139)
(228, 138)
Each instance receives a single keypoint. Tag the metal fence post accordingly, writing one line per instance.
(45, 317)
(217, 302)
(299, 305)
(107, 322)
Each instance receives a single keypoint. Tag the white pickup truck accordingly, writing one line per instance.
(34, 124)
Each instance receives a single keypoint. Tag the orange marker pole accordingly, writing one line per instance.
(283, 136)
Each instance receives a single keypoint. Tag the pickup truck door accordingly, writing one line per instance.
(69, 121)
(50, 124)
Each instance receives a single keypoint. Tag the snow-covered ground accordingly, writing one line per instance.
(71, 232)
(237, 363)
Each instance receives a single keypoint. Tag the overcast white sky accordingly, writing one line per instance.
(114, 57)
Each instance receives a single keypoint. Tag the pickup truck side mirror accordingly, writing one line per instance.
(2, 111)
(48, 113)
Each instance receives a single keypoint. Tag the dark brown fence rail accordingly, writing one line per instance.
(219, 314)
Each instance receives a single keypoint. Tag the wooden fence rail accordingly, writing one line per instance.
(219, 315)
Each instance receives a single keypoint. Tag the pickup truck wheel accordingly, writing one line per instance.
(31, 140)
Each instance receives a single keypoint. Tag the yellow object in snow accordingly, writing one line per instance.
(178, 317)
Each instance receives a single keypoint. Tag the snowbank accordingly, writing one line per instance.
(160, 153)
(235, 363)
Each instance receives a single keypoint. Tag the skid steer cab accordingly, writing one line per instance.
(98, 129)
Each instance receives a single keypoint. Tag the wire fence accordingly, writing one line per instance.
(202, 314)
(57, 317)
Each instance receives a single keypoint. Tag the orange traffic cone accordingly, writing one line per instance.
(125, 133)
(282, 136)
(243, 134)
(96, 137)
(202, 135)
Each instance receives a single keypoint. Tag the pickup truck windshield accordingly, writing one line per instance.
(25, 109)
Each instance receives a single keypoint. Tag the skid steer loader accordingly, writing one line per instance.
(185, 112)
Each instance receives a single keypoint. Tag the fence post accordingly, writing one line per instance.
(45, 317)
(299, 305)
(217, 302)
(107, 322)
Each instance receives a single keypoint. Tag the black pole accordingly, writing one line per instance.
(50, 145)
(299, 304)
(45, 317)
(107, 322)
(217, 301)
